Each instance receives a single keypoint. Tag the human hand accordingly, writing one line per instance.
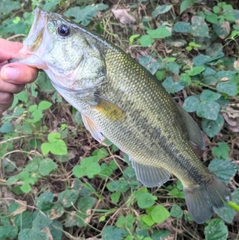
(13, 76)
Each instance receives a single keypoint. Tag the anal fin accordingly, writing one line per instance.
(150, 176)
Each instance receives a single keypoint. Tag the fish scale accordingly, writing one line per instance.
(121, 100)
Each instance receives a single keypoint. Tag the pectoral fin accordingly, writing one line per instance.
(92, 128)
(109, 109)
(150, 176)
(194, 132)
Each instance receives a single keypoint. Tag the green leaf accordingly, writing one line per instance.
(23, 220)
(160, 234)
(173, 67)
(29, 234)
(126, 222)
(111, 231)
(172, 86)
(133, 37)
(185, 4)
(160, 32)
(216, 230)
(211, 17)
(216, 9)
(182, 27)
(176, 211)
(222, 30)
(146, 40)
(199, 27)
(149, 63)
(212, 128)
(223, 169)
(158, 213)
(200, 60)
(88, 167)
(47, 166)
(228, 88)
(209, 96)
(85, 14)
(145, 200)
(56, 145)
(222, 151)
(45, 201)
(196, 70)
(83, 206)
(226, 213)
(191, 104)
(43, 105)
(208, 110)
(6, 128)
(161, 10)
(148, 220)
(119, 185)
(68, 197)
(115, 197)
(56, 230)
(41, 221)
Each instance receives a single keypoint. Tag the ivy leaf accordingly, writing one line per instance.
(85, 14)
(145, 200)
(146, 40)
(199, 27)
(176, 211)
(182, 27)
(185, 4)
(68, 197)
(228, 88)
(88, 167)
(191, 104)
(158, 213)
(196, 70)
(110, 231)
(160, 32)
(209, 96)
(208, 110)
(212, 128)
(216, 230)
(222, 30)
(161, 10)
(223, 169)
(222, 151)
(46, 166)
(43, 105)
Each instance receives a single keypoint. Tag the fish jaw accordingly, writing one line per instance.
(38, 42)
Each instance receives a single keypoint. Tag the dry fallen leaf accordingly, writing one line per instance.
(123, 16)
(232, 117)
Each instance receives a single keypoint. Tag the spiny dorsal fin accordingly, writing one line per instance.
(150, 176)
(194, 132)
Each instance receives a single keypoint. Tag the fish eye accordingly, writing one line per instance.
(63, 30)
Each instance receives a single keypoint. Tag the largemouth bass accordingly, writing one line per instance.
(122, 101)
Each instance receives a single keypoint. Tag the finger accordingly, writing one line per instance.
(9, 49)
(5, 101)
(18, 73)
(10, 88)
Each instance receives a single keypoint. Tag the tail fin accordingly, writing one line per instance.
(202, 198)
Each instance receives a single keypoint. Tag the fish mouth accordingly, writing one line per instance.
(33, 49)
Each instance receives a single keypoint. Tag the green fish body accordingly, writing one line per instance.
(120, 100)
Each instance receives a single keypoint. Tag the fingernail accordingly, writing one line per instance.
(9, 74)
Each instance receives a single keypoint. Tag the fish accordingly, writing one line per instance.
(121, 101)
